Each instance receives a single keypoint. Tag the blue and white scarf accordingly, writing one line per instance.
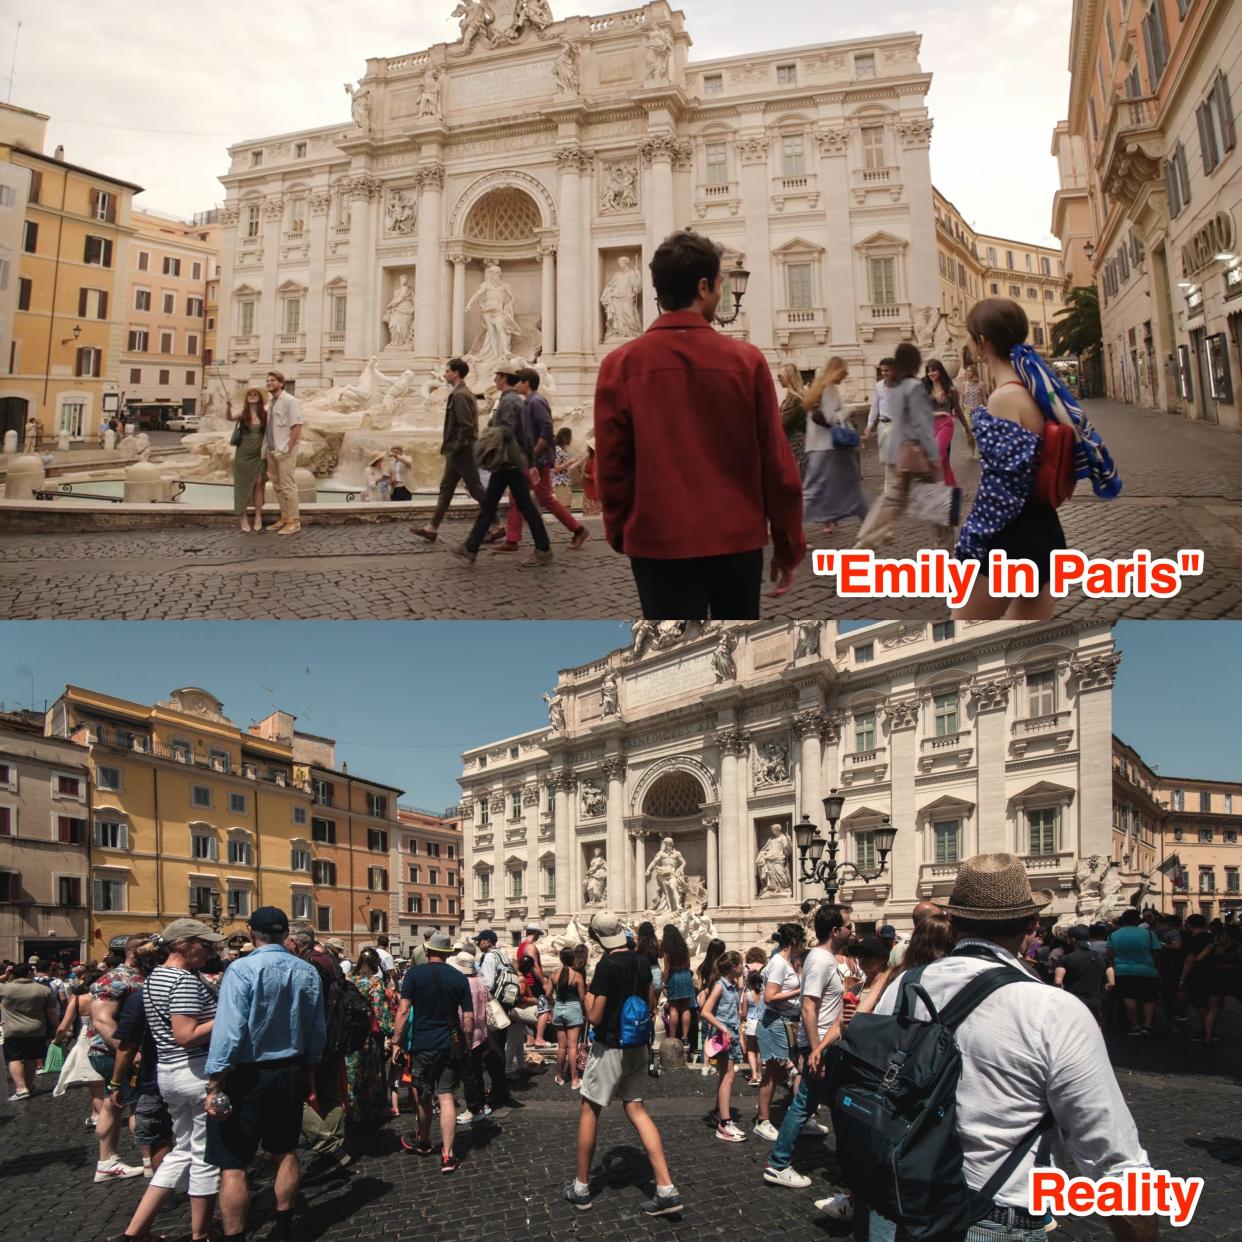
(1092, 459)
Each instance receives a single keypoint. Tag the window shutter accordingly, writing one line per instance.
(1184, 175)
(107, 253)
(36, 186)
(81, 303)
(103, 304)
(122, 837)
(1224, 109)
(1207, 140)
(111, 208)
(94, 204)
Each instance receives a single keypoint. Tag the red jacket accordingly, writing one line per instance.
(691, 458)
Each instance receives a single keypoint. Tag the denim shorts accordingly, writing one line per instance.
(680, 986)
(773, 1037)
(568, 1014)
(153, 1125)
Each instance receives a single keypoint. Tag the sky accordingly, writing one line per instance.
(155, 92)
(404, 699)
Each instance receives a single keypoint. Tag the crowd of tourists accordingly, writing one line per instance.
(696, 468)
(207, 1051)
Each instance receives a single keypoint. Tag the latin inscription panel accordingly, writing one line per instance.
(669, 680)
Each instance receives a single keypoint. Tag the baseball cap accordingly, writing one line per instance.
(487, 934)
(270, 921)
(607, 928)
(189, 929)
(887, 932)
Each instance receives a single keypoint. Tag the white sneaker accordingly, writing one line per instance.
(114, 1171)
(786, 1177)
(838, 1207)
(814, 1127)
(766, 1130)
(728, 1132)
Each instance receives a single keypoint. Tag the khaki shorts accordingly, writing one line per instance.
(614, 1073)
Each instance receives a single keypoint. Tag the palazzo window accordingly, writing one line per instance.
(947, 839)
(340, 304)
(204, 847)
(108, 894)
(515, 805)
(377, 879)
(873, 146)
(200, 896)
(713, 84)
(864, 850)
(716, 155)
(252, 221)
(1041, 830)
(299, 860)
(239, 903)
(798, 286)
(864, 732)
(342, 211)
(414, 903)
(944, 708)
(548, 872)
(517, 882)
(245, 319)
(301, 904)
(1041, 693)
(793, 155)
(292, 316)
(241, 852)
(883, 275)
(786, 75)
(485, 886)
(323, 871)
(864, 65)
(111, 834)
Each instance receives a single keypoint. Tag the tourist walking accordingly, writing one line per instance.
(1030, 1055)
(591, 505)
(564, 464)
(477, 1107)
(1009, 513)
(249, 466)
(267, 1040)
(911, 459)
(724, 1009)
(1132, 950)
(974, 394)
(1085, 973)
(180, 1010)
(683, 402)
(543, 458)
(367, 1069)
(793, 412)
(778, 1025)
(461, 430)
(1222, 960)
(28, 1011)
(280, 439)
(435, 1025)
(947, 409)
(567, 991)
(619, 1010)
(880, 416)
(832, 487)
(508, 450)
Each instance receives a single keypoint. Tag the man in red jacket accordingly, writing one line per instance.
(691, 459)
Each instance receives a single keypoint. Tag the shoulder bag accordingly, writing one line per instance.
(77, 1070)
(236, 437)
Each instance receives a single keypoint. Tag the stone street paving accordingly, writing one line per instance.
(1187, 1101)
(1183, 489)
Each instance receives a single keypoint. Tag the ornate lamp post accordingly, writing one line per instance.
(816, 869)
(739, 278)
(213, 915)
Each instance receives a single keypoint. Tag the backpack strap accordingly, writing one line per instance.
(911, 987)
(1043, 1128)
(979, 989)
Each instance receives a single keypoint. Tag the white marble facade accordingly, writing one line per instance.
(993, 737)
(565, 150)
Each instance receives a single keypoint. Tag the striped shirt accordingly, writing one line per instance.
(169, 991)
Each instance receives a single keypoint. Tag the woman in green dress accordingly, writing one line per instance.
(249, 467)
(367, 1069)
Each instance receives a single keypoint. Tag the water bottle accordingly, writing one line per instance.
(221, 1105)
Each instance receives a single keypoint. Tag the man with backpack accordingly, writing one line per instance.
(505, 1047)
(619, 1005)
(938, 1115)
(435, 1023)
(323, 1116)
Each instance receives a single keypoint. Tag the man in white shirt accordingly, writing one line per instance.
(820, 1026)
(1026, 1050)
(387, 964)
(280, 447)
(881, 419)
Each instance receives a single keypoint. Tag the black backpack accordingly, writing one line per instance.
(348, 1017)
(893, 1095)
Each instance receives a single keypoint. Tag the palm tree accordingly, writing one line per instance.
(1077, 332)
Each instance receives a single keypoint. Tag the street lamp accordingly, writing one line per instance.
(213, 915)
(816, 869)
(739, 278)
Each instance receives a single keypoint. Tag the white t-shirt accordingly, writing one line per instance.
(780, 972)
(386, 962)
(821, 978)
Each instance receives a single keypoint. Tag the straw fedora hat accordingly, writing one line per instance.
(994, 887)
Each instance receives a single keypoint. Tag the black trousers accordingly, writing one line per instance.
(472, 1079)
(722, 588)
(493, 1051)
(459, 467)
(514, 481)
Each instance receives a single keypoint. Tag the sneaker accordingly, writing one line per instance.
(581, 1199)
(815, 1127)
(663, 1204)
(838, 1207)
(20, 1095)
(537, 559)
(449, 1163)
(114, 1171)
(498, 548)
(581, 535)
(789, 1177)
(766, 1130)
(412, 1143)
(729, 1132)
(464, 553)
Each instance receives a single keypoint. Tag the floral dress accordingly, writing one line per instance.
(367, 1069)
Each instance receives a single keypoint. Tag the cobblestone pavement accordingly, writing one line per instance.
(1187, 1101)
(1183, 489)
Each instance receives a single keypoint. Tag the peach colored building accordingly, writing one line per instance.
(1202, 827)
(428, 861)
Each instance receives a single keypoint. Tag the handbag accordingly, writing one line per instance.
(1054, 467)
(791, 1031)
(77, 1070)
(53, 1059)
(497, 1019)
(235, 438)
(912, 460)
(844, 436)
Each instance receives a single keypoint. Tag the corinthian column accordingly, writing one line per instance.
(639, 899)
(614, 770)
(363, 190)
(458, 344)
(561, 785)
(713, 861)
(570, 270)
(547, 300)
(731, 744)
(427, 280)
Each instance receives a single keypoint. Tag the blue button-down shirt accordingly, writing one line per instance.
(270, 1009)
